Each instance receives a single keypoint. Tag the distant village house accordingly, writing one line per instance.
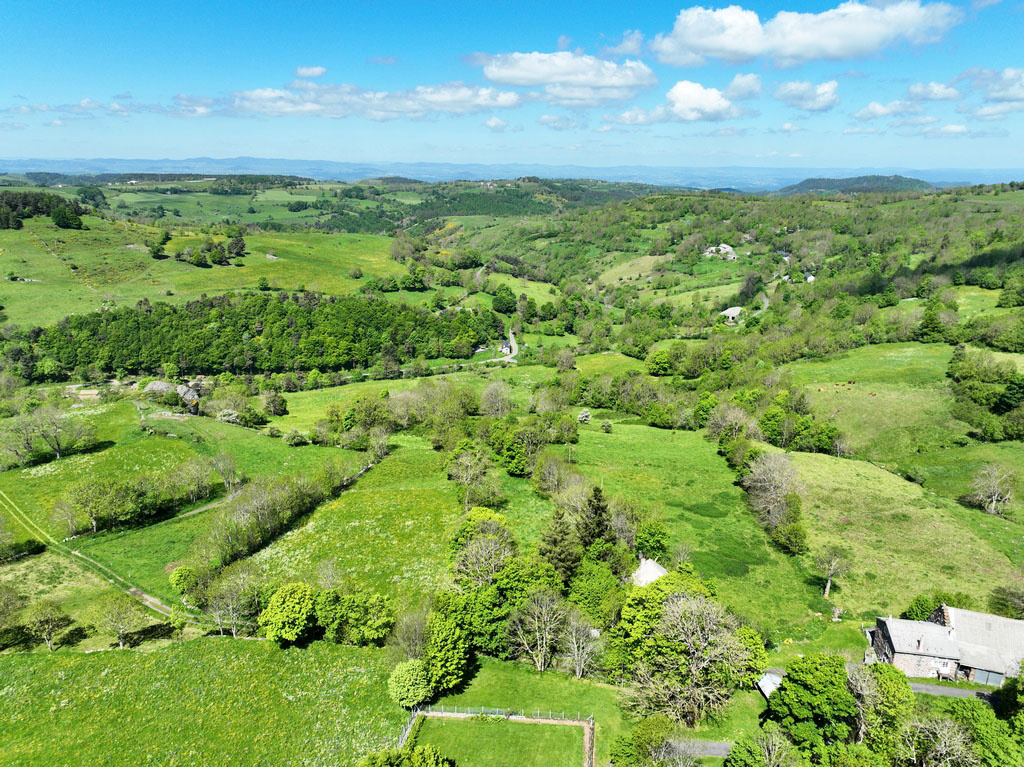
(723, 251)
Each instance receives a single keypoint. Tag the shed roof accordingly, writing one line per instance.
(732, 312)
(921, 638)
(648, 572)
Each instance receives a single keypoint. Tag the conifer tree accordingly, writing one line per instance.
(595, 523)
(559, 547)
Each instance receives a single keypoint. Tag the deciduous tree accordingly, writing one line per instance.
(45, 619)
(120, 615)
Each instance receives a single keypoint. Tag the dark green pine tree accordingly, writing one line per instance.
(595, 522)
(559, 547)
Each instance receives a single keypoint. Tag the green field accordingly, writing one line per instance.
(206, 701)
(679, 477)
(109, 265)
(890, 400)
(387, 532)
(949, 472)
(904, 541)
(496, 742)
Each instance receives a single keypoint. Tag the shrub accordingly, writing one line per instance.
(295, 439)
(289, 616)
(408, 684)
(606, 427)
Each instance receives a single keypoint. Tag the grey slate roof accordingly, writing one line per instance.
(648, 572)
(921, 638)
(988, 642)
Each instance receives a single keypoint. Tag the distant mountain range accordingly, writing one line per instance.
(857, 184)
(745, 179)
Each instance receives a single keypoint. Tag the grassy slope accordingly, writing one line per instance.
(114, 267)
(500, 743)
(207, 701)
(679, 477)
(890, 400)
(904, 540)
(387, 532)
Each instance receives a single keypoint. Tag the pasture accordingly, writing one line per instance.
(206, 701)
(387, 533)
(678, 477)
(903, 539)
(496, 742)
(890, 400)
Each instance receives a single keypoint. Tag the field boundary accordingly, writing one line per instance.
(523, 716)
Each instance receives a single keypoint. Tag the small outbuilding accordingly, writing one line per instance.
(732, 313)
(648, 572)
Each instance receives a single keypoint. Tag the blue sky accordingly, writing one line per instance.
(910, 83)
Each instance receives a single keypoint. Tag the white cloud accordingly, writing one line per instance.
(744, 87)
(911, 121)
(933, 91)
(564, 41)
(632, 44)
(383, 61)
(953, 130)
(788, 127)
(860, 131)
(808, 96)
(559, 122)
(496, 124)
(850, 30)
(55, 124)
(570, 79)
(310, 71)
(348, 100)
(13, 126)
(686, 101)
(998, 85)
(893, 108)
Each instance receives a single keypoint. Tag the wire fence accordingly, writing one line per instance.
(516, 714)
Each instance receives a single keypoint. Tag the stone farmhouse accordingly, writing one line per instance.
(952, 644)
(723, 251)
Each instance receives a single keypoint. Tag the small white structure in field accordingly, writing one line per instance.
(808, 277)
(648, 572)
(732, 313)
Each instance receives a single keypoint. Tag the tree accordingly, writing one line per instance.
(44, 619)
(937, 742)
(59, 431)
(184, 580)
(644, 741)
(770, 480)
(179, 620)
(236, 247)
(262, 284)
(833, 562)
(578, 643)
(496, 399)
(232, 599)
(652, 540)
(769, 747)
(993, 489)
(481, 559)
(120, 615)
(289, 616)
(408, 685)
(224, 466)
(447, 653)
(468, 467)
(558, 545)
(565, 361)
(594, 523)
(536, 627)
(814, 705)
(65, 218)
(361, 618)
(274, 403)
(693, 670)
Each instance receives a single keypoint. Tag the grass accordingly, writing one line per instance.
(495, 742)
(125, 450)
(109, 265)
(387, 532)
(79, 591)
(890, 400)
(611, 363)
(502, 684)
(145, 556)
(679, 477)
(904, 541)
(207, 701)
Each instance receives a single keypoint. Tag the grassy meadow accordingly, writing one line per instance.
(496, 742)
(904, 540)
(206, 701)
(891, 400)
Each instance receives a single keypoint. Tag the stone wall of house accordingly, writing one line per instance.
(923, 665)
